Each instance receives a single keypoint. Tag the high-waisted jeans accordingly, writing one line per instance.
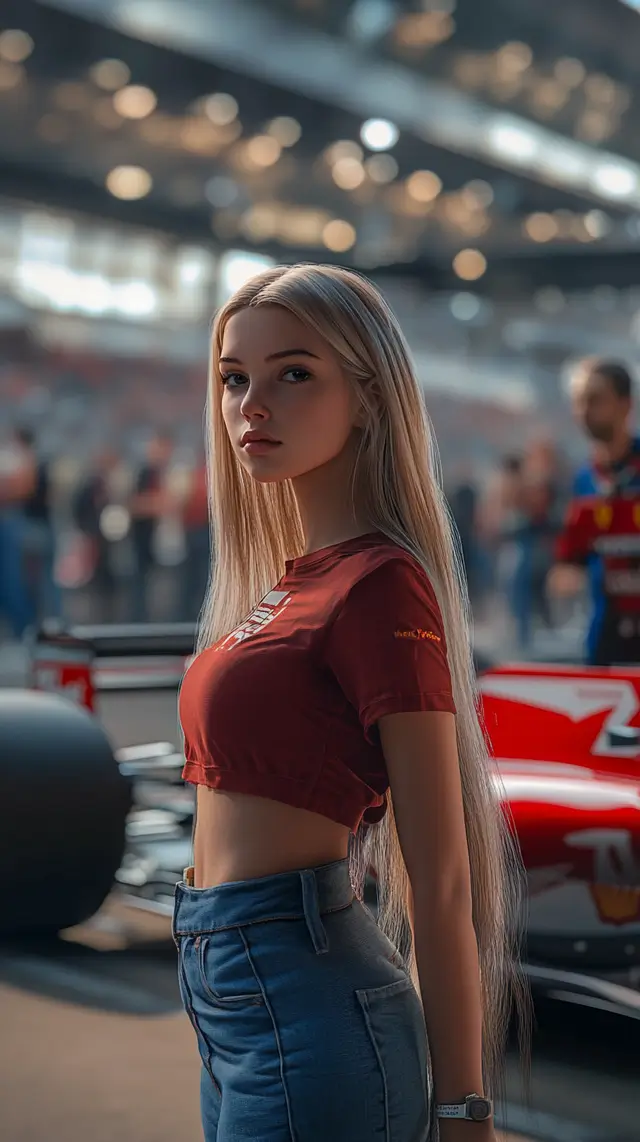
(308, 1025)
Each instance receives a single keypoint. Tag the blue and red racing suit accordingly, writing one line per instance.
(602, 533)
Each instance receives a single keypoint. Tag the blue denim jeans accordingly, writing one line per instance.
(308, 1025)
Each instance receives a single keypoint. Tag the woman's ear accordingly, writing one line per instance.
(370, 407)
(361, 417)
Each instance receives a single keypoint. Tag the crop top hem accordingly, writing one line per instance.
(287, 792)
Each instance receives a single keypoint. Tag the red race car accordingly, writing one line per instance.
(566, 742)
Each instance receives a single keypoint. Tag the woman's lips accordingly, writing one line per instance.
(260, 447)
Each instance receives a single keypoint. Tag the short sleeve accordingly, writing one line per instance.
(387, 648)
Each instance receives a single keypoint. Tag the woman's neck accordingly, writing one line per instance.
(328, 508)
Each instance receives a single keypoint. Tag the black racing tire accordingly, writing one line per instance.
(63, 810)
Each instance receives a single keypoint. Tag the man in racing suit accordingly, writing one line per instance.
(601, 534)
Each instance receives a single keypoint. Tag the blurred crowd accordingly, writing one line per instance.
(129, 542)
(508, 528)
(103, 506)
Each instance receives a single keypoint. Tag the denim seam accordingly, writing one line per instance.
(251, 923)
(364, 1003)
(276, 1033)
(196, 1026)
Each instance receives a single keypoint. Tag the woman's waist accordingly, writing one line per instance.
(290, 895)
(242, 837)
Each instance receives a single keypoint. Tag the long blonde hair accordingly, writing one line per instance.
(256, 526)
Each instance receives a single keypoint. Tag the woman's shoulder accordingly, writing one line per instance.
(383, 568)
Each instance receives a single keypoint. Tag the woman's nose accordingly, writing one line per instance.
(254, 403)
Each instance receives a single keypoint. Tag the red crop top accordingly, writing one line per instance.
(286, 706)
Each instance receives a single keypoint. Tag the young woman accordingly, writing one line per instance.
(330, 724)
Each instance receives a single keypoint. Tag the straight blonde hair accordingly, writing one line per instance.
(256, 527)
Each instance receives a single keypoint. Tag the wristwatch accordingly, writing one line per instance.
(475, 1108)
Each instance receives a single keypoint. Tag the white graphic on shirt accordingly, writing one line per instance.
(269, 609)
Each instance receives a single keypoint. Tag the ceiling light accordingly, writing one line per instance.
(302, 227)
(548, 96)
(600, 89)
(424, 186)
(237, 267)
(480, 190)
(135, 299)
(541, 227)
(285, 129)
(221, 108)
(221, 191)
(597, 223)
(193, 265)
(343, 149)
(110, 74)
(370, 19)
(129, 183)
(570, 72)
(465, 306)
(513, 58)
(200, 137)
(595, 125)
(615, 180)
(263, 150)
(338, 236)
(135, 102)
(424, 29)
(379, 134)
(470, 265)
(515, 143)
(381, 168)
(565, 164)
(348, 174)
(260, 222)
(15, 45)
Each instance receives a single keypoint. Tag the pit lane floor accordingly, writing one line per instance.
(94, 1043)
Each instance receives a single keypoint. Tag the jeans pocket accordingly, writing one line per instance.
(395, 1023)
(227, 985)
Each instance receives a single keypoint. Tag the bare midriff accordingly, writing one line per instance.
(240, 837)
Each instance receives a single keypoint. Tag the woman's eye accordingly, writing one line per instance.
(296, 375)
(232, 380)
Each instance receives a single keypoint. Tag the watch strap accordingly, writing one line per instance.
(463, 1109)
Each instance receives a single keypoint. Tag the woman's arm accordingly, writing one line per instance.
(422, 761)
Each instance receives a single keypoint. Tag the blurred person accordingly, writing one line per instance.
(38, 534)
(17, 484)
(329, 723)
(532, 530)
(197, 563)
(463, 502)
(497, 509)
(149, 502)
(600, 542)
(93, 495)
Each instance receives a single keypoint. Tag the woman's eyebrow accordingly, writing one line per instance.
(274, 356)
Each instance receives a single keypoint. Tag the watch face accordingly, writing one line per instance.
(479, 1109)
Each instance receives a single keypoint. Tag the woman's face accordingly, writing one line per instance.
(287, 404)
